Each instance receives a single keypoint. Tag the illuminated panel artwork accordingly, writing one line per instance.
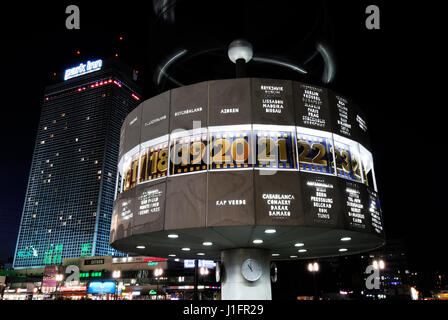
(86, 249)
(53, 254)
(275, 149)
(131, 172)
(348, 163)
(230, 148)
(189, 152)
(153, 160)
(368, 174)
(314, 150)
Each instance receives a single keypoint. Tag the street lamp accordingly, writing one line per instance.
(204, 271)
(313, 267)
(157, 273)
(378, 264)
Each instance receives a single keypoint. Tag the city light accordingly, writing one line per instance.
(207, 243)
(378, 264)
(116, 274)
(299, 244)
(257, 241)
(270, 231)
(140, 247)
(158, 272)
(203, 271)
(346, 239)
(173, 236)
(313, 267)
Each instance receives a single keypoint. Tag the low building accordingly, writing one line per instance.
(112, 278)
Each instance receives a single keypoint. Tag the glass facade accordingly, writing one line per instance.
(68, 206)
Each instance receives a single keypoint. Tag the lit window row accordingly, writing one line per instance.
(247, 147)
(93, 85)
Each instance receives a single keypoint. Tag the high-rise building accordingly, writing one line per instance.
(69, 199)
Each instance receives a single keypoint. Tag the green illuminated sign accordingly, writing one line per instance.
(152, 292)
(28, 252)
(86, 249)
(53, 254)
(152, 263)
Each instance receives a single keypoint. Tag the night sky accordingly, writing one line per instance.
(391, 73)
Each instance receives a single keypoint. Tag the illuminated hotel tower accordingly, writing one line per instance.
(68, 204)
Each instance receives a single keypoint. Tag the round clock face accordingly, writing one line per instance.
(251, 270)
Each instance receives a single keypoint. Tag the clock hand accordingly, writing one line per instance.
(250, 267)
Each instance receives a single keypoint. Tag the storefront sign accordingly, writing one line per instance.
(102, 287)
(83, 68)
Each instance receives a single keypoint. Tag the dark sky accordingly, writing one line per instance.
(391, 73)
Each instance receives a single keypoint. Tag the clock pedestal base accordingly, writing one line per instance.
(234, 285)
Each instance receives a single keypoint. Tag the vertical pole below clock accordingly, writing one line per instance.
(234, 286)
